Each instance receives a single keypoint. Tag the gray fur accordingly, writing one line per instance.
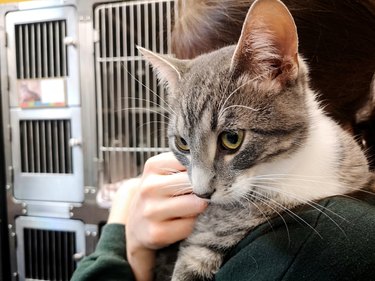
(279, 116)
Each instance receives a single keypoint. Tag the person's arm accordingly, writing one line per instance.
(108, 261)
(162, 211)
(158, 209)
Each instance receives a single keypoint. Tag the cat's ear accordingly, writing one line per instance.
(268, 46)
(168, 69)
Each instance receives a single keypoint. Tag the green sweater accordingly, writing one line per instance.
(334, 242)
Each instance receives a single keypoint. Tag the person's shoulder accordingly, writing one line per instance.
(349, 218)
(341, 244)
(331, 239)
(353, 208)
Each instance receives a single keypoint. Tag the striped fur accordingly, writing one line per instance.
(292, 153)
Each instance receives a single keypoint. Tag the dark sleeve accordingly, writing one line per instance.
(342, 247)
(334, 241)
(108, 262)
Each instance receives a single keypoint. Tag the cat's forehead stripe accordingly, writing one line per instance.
(180, 127)
(196, 108)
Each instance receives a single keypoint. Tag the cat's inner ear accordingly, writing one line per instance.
(268, 46)
(168, 69)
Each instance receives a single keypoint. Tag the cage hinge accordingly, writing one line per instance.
(8, 83)
(10, 133)
(99, 164)
(15, 276)
(96, 36)
(11, 174)
(13, 235)
(15, 240)
(6, 39)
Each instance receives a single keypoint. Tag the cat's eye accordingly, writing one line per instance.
(182, 144)
(231, 140)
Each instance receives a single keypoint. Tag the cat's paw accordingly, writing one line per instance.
(196, 263)
(190, 276)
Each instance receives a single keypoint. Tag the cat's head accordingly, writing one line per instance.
(236, 111)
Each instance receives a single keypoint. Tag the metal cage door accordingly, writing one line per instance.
(132, 113)
(47, 247)
(45, 110)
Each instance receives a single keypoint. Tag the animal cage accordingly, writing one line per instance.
(81, 112)
(132, 114)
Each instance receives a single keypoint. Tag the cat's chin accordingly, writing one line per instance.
(223, 201)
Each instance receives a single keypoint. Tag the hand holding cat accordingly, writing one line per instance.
(158, 210)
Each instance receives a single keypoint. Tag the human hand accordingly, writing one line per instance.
(162, 211)
(122, 200)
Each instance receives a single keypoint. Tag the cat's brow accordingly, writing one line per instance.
(222, 107)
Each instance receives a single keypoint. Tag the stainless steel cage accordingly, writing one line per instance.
(81, 112)
(45, 113)
(48, 247)
(132, 114)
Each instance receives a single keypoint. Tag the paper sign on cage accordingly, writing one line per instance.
(34, 93)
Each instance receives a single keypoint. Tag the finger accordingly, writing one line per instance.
(164, 163)
(168, 232)
(175, 185)
(177, 230)
(165, 185)
(183, 206)
(120, 205)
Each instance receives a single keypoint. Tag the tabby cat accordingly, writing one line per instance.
(252, 135)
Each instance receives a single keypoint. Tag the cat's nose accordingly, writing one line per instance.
(206, 195)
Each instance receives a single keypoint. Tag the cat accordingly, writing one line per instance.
(255, 141)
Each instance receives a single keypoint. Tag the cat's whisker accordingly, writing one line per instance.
(264, 199)
(352, 197)
(276, 178)
(294, 196)
(290, 175)
(301, 199)
(150, 102)
(275, 211)
(306, 178)
(333, 184)
(152, 123)
(261, 86)
(258, 208)
(288, 211)
(146, 87)
(266, 217)
(233, 106)
(233, 203)
(268, 205)
(312, 204)
(148, 109)
(226, 89)
(358, 190)
(231, 94)
(222, 106)
(284, 182)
